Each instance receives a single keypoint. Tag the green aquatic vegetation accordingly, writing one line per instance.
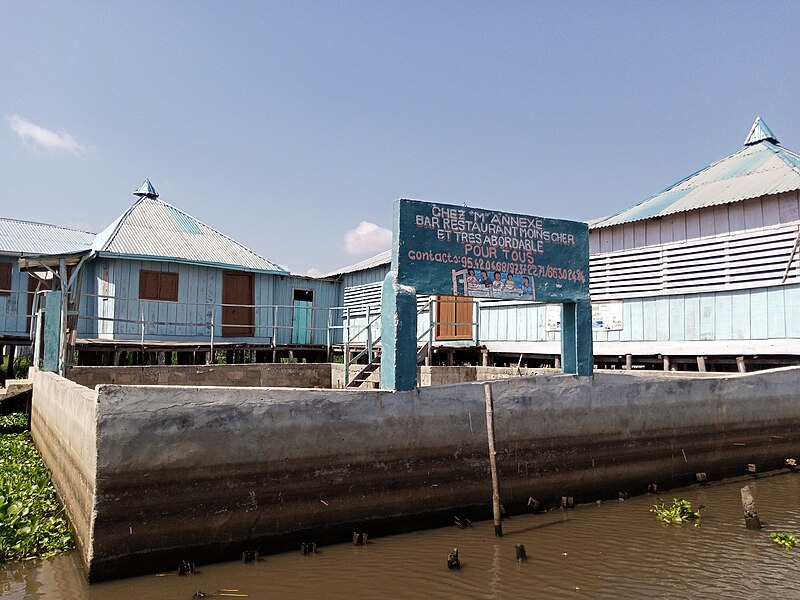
(11, 423)
(782, 538)
(32, 521)
(678, 512)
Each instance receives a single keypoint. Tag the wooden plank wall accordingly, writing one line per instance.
(14, 306)
(199, 296)
(756, 314)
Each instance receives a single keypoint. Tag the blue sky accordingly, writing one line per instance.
(293, 126)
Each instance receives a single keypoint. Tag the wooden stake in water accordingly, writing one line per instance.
(751, 519)
(498, 525)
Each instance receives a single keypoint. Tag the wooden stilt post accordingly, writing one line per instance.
(10, 369)
(498, 524)
(751, 519)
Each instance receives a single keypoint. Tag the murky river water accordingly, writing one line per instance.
(605, 550)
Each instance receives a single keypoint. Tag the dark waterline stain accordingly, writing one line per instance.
(606, 550)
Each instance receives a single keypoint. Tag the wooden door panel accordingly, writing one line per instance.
(454, 315)
(238, 297)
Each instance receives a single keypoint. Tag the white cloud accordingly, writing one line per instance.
(40, 137)
(367, 238)
(313, 272)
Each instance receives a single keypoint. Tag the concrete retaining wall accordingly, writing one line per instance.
(203, 473)
(307, 375)
(63, 425)
(310, 375)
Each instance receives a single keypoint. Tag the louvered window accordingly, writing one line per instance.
(743, 260)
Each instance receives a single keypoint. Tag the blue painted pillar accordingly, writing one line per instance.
(577, 356)
(398, 335)
(51, 332)
(583, 342)
(569, 358)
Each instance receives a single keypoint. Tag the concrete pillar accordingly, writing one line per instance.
(52, 330)
(701, 364)
(576, 338)
(484, 358)
(740, 364)
(666, 362)
(398, 335)
(628, 362)
(568, 338)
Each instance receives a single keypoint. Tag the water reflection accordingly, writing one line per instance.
(608, 550)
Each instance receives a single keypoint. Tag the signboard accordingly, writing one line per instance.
(606, 316)
(462, 251)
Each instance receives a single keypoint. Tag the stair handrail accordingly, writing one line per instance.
(369, 347)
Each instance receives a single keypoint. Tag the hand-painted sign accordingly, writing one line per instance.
(462, 251)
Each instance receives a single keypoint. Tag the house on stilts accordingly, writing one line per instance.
(704, 275)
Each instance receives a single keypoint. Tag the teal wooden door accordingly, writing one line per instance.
(302, 316)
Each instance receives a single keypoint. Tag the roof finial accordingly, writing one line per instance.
(146, 190)
(759, 132)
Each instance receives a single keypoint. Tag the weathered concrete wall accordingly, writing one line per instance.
(63, 419)
(428, 376)
(309, 375)
(204, 472)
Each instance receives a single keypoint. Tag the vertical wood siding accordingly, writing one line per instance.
(757, 314)
(14, 306)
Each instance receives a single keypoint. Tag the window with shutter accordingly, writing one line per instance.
(5, 279)
(155, 285)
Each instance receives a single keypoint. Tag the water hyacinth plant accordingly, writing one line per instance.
(32, 519)
(678, 512)
(782, 538)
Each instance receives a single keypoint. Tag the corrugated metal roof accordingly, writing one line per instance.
(378, 260)
(26, 237)
(156, 230)
(760, 168)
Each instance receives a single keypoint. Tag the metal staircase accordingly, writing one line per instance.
(373, 352)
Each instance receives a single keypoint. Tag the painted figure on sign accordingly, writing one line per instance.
(509, 285)
(527, 289)
(485, 279)
(497, 284)
(472, 281)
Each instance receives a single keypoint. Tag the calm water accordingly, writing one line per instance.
(607, 550)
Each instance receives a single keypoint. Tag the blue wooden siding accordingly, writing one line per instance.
(198, 305)
(325, 298)
(757, 314)
(523, 322)
(366, 276)
(14, 306)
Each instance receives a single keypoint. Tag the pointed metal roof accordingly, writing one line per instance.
(151, 229)
(146, 190)
(761, 168)
(760, 132)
